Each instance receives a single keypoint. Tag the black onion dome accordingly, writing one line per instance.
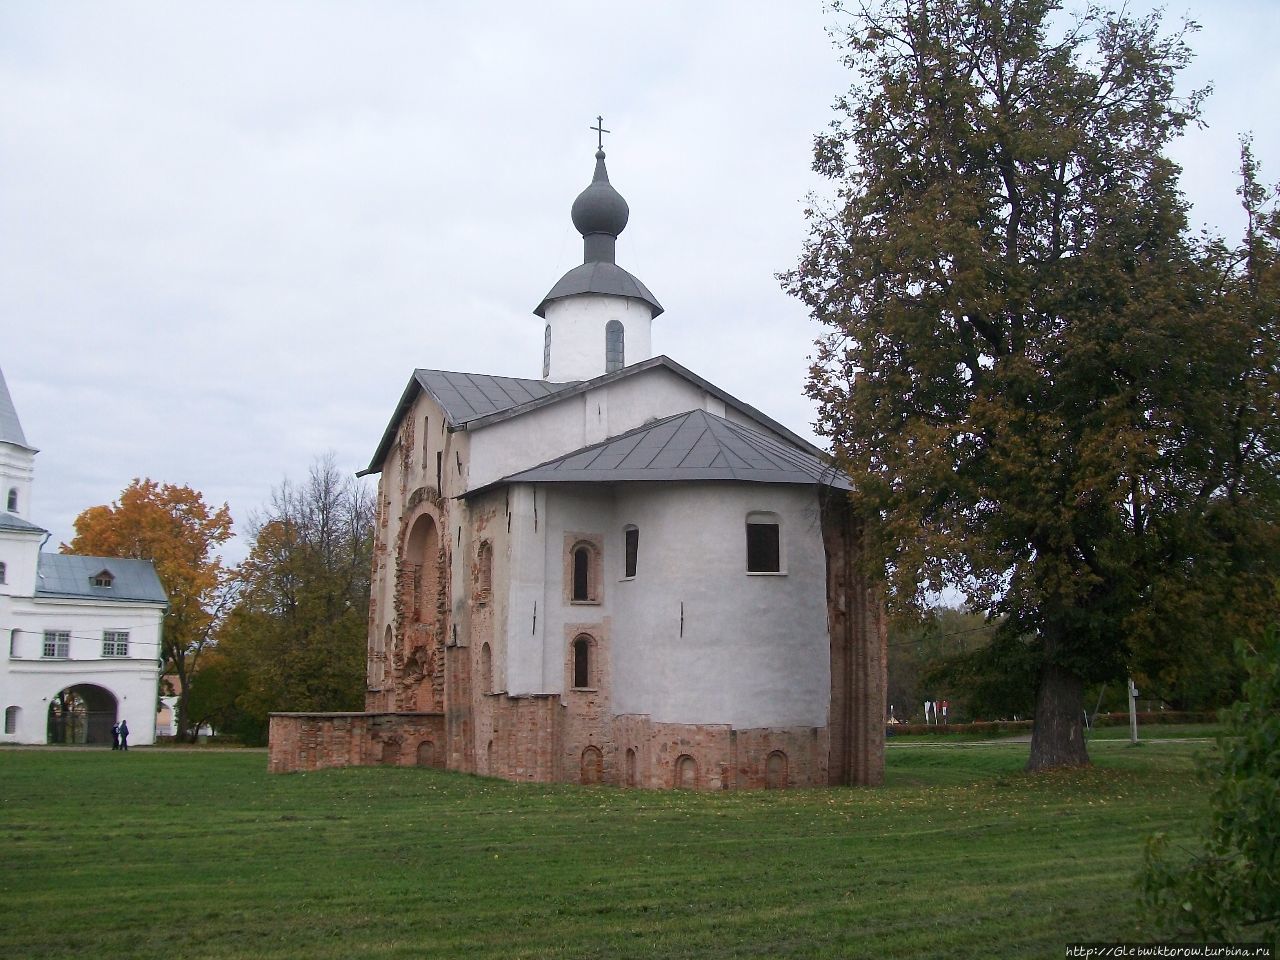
(600, 208)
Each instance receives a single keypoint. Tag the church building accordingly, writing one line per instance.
(616, 573)
(83, 633)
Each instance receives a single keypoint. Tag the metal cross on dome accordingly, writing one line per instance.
(600, 132)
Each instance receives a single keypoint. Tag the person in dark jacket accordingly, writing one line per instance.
(124, 734)
(115, 736)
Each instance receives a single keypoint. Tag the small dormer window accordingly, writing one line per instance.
(102, 578)
(13, 500)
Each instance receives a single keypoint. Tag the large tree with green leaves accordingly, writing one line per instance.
(296, 638)
(1027, 370)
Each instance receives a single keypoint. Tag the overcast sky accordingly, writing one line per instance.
(230, 231)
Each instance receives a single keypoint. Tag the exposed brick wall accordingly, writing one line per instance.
(315, 741)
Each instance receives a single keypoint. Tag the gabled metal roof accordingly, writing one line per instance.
(9, 521)
(69, 575)
(10, 425)
(469, 396)
(696, 445)
(554, 393)
(464, 398)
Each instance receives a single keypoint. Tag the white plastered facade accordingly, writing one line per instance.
(31, 677)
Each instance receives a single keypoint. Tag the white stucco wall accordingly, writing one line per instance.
(577, 333)
(16, 472)
(755, 650)
(31, 681)
(20, 554)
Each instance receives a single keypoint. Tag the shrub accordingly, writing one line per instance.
(1228, 888)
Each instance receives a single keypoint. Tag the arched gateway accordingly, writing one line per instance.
(83, 713)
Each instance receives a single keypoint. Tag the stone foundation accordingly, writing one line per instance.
(540, 739)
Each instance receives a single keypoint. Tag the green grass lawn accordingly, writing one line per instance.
(163, 854)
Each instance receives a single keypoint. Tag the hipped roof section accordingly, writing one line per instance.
(474, 400)
(695, 445)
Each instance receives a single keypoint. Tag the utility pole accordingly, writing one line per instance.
(1133, 714)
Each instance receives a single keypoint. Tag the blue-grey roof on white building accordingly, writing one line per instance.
(695, 445)
(9, 521)
(70, 575)
(10, 425)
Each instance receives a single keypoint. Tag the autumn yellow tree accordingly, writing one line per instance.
(173, 527)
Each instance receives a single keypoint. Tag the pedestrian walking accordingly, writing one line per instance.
(115, 736)
(124, 734)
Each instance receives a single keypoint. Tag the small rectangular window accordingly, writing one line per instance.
(763, 555)
(115, 643)
(632, 551)
(57, 644)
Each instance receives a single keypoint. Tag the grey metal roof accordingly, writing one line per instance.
(69, 575)
(696, 445)
(10, 426)
(469, 396)
(463, 397)
(599, 276)
(9, 521)
(554, 393)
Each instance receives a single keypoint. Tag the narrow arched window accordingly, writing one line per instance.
(3, 570)
(613, 346)
(631, 553)
(546, 352)
(484, 572)
(582, 573)
(13, 500)
(486, 669)
(10, 719)
(582, 662)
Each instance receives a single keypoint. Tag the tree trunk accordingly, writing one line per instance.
(1057, 740)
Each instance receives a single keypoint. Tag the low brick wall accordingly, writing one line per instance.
(316, 741)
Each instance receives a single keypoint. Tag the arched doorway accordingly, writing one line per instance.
(422, 564)
(83, 713)
(426, 754)
(686, 773)
(422, 639)
(592, 766)
(775, 771)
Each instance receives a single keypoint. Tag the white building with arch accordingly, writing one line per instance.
(81, 634)
(617, 573)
